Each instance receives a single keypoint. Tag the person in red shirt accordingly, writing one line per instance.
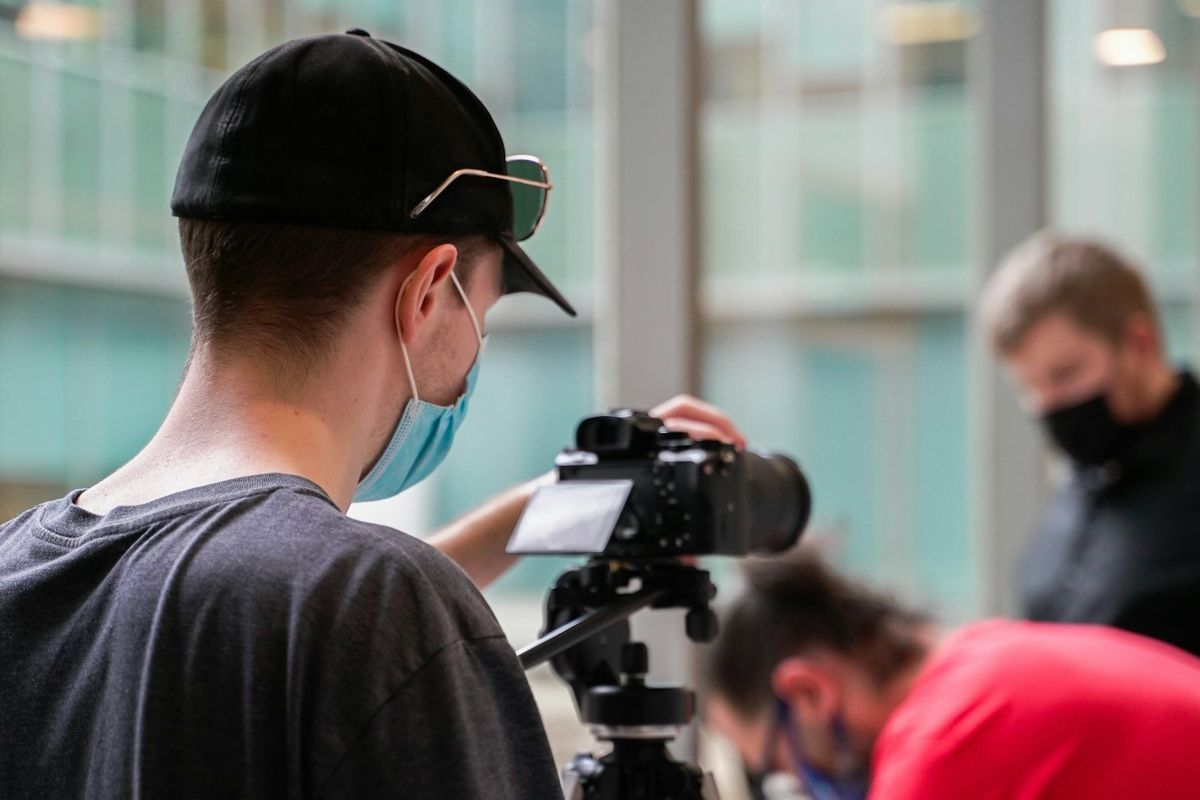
(816, 675)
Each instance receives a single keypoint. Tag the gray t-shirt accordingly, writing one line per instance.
(246, 639)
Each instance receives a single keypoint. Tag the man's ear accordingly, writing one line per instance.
(1142, 334)
(419, 293)
(810, 689)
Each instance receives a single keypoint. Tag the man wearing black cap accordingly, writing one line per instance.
(206, 621)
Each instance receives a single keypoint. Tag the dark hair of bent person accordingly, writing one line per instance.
(282, 291)
(795, 604)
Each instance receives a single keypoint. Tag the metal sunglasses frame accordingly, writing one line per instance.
(480, 173)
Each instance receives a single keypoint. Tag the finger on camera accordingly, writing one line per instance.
(699, 431)
(685, 406)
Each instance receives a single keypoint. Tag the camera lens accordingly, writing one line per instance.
(777, 502)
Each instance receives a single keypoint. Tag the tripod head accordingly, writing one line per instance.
(587, 615)
(587, 640)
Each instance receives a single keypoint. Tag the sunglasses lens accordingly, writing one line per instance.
(529, 202)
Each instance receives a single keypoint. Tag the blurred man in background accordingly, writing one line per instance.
(1078, 331)
(844, 688)
(206, 621)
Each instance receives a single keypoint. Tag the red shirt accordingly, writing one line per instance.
(1019, 710)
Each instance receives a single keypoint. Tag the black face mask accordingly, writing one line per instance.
(1087, 432)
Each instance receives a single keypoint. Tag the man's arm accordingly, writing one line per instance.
(477, 540)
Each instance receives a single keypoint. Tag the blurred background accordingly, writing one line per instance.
(788, 209)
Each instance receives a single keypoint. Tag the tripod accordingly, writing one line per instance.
(587, 641)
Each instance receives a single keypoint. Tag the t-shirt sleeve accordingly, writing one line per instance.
(464, 725)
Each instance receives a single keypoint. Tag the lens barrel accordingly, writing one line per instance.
(778, 502)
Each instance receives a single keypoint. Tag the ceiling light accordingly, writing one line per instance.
(58, 21)
(1129, 47)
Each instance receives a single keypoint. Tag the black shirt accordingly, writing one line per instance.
(246, 639)
(1120, 544)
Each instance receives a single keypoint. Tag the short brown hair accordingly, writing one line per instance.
(795, 604)
(1092, 284)
(284, 290)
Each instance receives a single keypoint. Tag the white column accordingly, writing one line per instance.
(647, 260)
(646, 313)
(1008, 484)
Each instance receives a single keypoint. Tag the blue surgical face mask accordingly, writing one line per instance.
(424, 432)
(850, 784)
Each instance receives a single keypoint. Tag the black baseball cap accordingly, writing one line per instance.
(349, 131)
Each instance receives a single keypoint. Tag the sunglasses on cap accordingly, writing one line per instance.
(530, 187)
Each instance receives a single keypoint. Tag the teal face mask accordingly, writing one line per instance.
(424, 433)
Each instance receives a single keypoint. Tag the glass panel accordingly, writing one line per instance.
(81, 156)
(15, 135)
(1124, 143)
(843, 150)
(836, 144)
(88, 376)
(154, 175)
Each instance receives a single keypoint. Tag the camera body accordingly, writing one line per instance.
(687, 497)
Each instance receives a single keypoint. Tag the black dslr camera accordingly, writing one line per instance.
(634, 497)
(632, 490)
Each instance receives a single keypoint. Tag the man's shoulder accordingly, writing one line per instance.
(19, 521)
(971, 675)
(291, 551)
(298, 528)
(969, 694)
(1035, 666)
(301, 528)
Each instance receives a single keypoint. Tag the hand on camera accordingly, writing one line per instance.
(698, 419)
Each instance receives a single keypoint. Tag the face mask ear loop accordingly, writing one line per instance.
(841, 738)
(471, 311)
(412, 382)
(817, 784)
(783, 717)
(408, 368)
